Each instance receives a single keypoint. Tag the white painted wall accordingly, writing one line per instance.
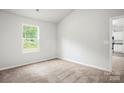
(81, 38)
(84, 37)
(10, 41)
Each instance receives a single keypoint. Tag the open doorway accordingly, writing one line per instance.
(117, 37)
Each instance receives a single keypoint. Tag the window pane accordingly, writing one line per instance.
(30, 43)
(30, 39)
(29, 32)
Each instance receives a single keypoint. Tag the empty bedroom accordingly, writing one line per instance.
(60, 46)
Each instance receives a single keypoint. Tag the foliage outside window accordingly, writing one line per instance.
(30, 38)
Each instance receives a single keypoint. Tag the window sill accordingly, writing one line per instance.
(31, 50)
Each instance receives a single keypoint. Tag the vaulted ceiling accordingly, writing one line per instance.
(50, 15)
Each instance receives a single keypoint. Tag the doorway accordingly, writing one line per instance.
(117, 42)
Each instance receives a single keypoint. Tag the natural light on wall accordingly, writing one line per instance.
(30, 38)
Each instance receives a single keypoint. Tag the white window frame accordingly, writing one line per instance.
(31, 50)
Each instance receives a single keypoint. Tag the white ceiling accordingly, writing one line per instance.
(51, 15)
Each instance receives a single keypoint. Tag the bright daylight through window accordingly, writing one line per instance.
(30, 38)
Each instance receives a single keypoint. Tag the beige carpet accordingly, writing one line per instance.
(60, 71)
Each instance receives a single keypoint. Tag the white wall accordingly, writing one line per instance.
(81, 38)
(10, 41)
(84, 36)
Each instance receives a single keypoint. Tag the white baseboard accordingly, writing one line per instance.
(92, 66)
(41, 60)
(27, 63)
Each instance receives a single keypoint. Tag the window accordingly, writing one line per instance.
(30, 38)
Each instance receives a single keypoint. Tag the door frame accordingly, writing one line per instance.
(110, 38)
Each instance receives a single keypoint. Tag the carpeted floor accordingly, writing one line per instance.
(60, 71)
